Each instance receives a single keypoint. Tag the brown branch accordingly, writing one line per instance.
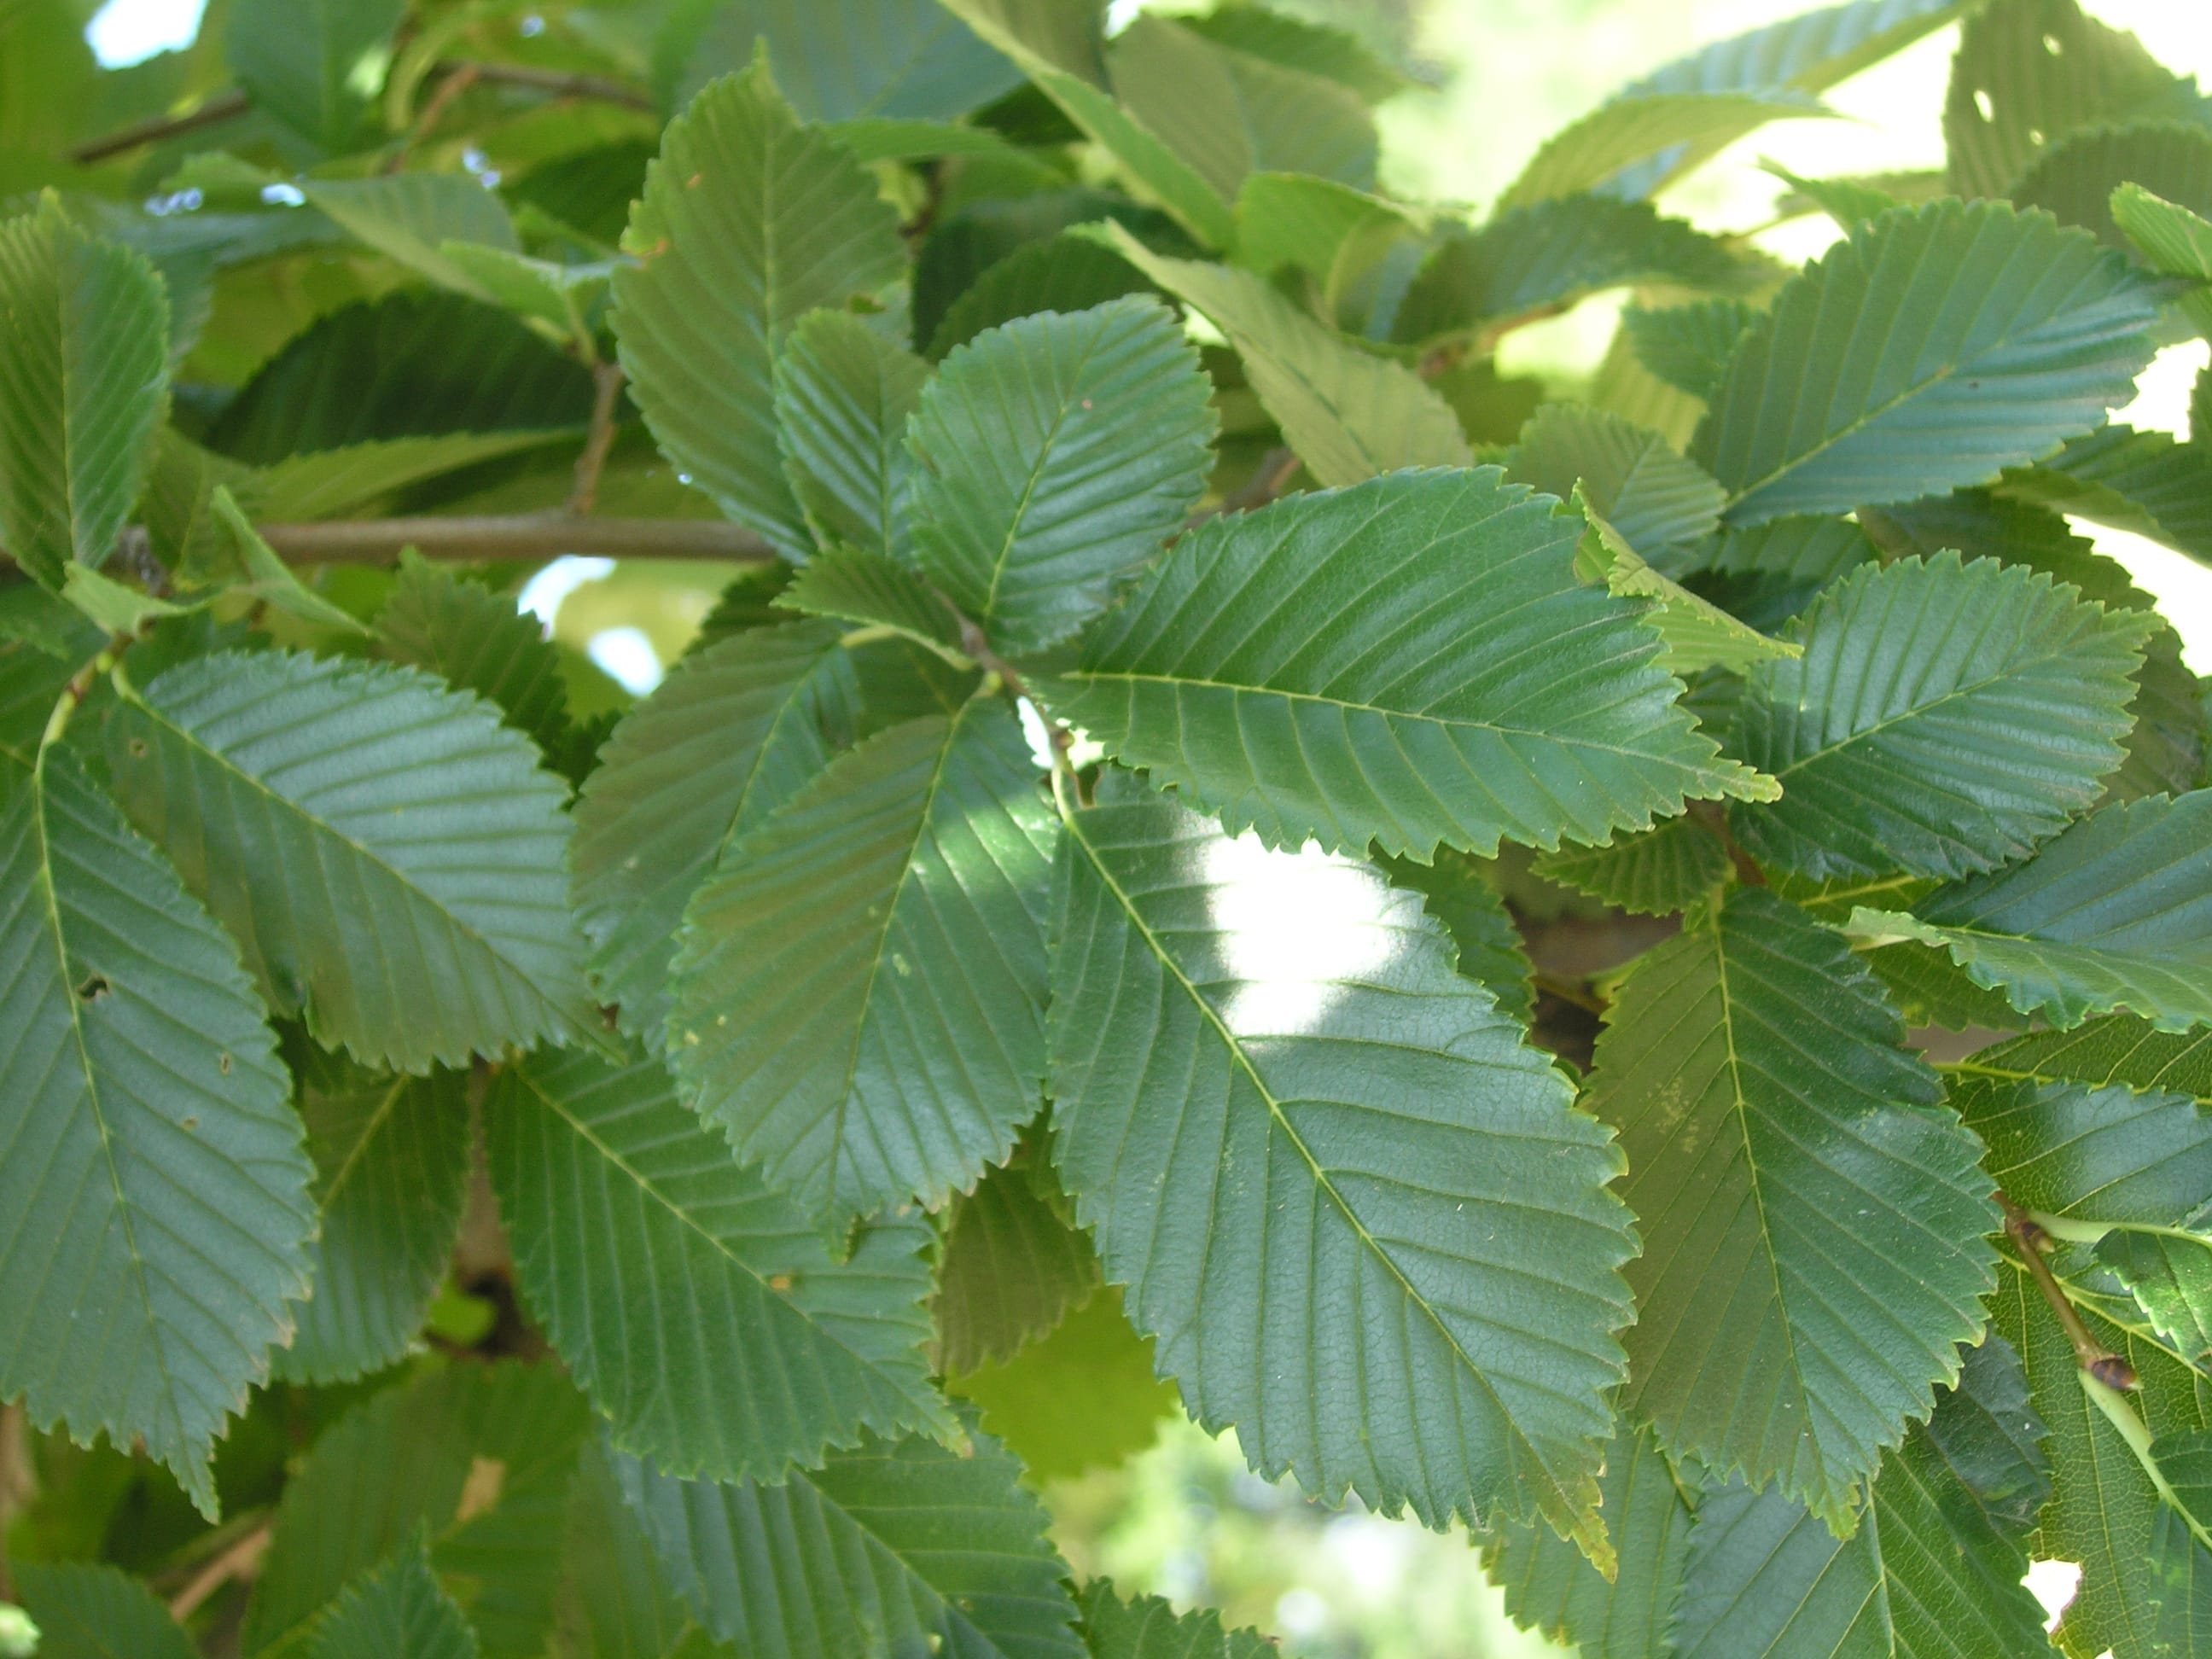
(2091, 1355)
(1268, 480)
(223, 106)
(558, 83)
(606, 392)
(519, 535)
(242, 1560)
(432, 111)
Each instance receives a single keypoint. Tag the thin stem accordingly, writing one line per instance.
(439, 101)
(242, 1560)
(2094, 1359)
(2132, 1429)
(223, 106)
(557, 83)
(78, 689)
(606, 394)
(1569, 991)
(2069, 1232)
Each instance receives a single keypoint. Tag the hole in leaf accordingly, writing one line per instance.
(94, 986)
(1989, 111)
(2054, 46)
(223, 1064)
(137, 746)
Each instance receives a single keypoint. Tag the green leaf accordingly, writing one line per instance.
(397, 1610)
(1818, 1214)
(1350, 416)
(475, 640)
(2029, 72)
(331, 484)
(849, 59)
(1807, 53)
(1298, 43)
(1634, 127)
(562, 299)
(1849, 201)
(2110, 1122)
(1230, 115)
(885, 138)
(749, 222)
(1665, 869)
(1806, 552)
(1697, 634)
(1655, 499)
(84, 349)
(2075, 177)
(733, 733)
(1259, 1062)
(1536, 260)
(1053, 456)
(1944, 718)
(88, 1612)
(152, 1151)
(2104, 1512)
(1457, 890)
(1930, 1569)
(1928, 350)
(2175, 241)
(1060, 273)
(858, 988)
(617, 1603)
(1550, 1587)
(1147, 1627)
(1335, 234)
(313, 68)
(886, 1550)
(1013, 1265)
(842, 396)
(268, 578)
(1141, 153)
(875, 591)
(392, 1179)
(410, 216)
(481, 1457)
(1086, 1396)
(1476, 690)
(1689, 346)
(408, 365)
(110, 605)
(701, 1310)
(2170, 1274)
(2143, 482)
(2115, 911)
(388, 854)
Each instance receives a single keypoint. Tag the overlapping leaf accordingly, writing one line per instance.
(890, 1548)
(1550, 1587)
(150, 1165)
(388, 854)
(1657, 872)
(2115, 912)
(616, 1601)
(2073, 179)
(1815, 1217)
(2170, 1272)
(302, 63)
(1944, 718)
(1348, 415)
(2175, 240)
(1930, 349)
(410, 217)
(1147, 1627)
(2030, 72)
(1457, 890)
(2144, 482)
(88, 1612)
(84, 343)
(875, 591)
(703, 1311)
(392, 1176)
(857, 994)
(1408, 662)
(1013, 1265)
(1689, 346)
(1658, 501)
(1808, 53)
(1356, 1209)
(733, 731)
(480, 1458)
(842, 396)
(1935, 1568)
(1591, 152)
(1054, 455)
(1230, 114)
(1696, 634)
(396, 1610)
(748, 221)
(476, 640)
(852, 59)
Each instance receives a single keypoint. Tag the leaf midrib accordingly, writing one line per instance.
(1321, 1180)
(132, 695)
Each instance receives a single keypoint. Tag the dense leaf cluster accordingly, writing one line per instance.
(550, 1183)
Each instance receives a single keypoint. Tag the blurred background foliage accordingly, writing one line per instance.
(1182, 1514)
